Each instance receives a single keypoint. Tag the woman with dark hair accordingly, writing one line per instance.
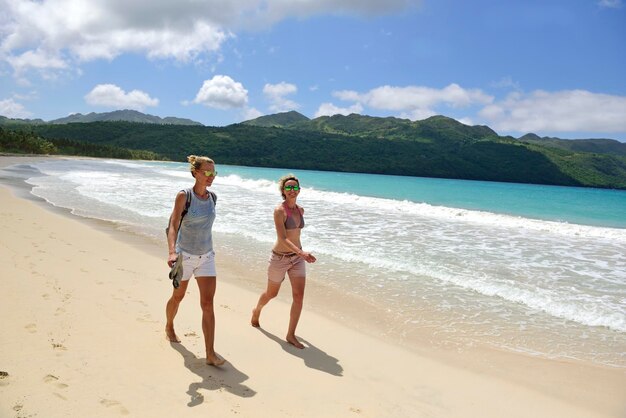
(287, 256)
(190, 245)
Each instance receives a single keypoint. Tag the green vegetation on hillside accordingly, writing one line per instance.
(27, 142)
(598, 145)
(435, 147)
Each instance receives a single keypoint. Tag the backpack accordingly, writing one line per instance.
(186, 209)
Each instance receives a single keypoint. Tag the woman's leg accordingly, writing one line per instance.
(297, 290)
(207, 285)
(269, 294)
(171, 308)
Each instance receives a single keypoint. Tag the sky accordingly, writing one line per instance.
(550, 67)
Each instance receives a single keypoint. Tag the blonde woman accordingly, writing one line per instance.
(190, 242)
(287, 256)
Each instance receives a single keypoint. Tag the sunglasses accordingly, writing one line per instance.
(209, 173)
(294, 188)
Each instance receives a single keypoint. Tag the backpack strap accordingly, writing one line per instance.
(187, 204)
(183, 213)
(213, 197)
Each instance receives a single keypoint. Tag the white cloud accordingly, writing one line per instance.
(12, 109)
(506, 83)
(56, 34)
(467, 121)
(347, 95)
(416, 102)
(275, 10)
(329, 109)
(418, 114)
(251, 113)
(110, 95)
(562, 111)
(38, 59)
(222, 92)
(276, 93)
(611, 4)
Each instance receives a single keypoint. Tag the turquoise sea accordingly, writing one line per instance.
(526, 268)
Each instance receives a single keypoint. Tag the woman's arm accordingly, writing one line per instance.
(179, 206)
(281, 234)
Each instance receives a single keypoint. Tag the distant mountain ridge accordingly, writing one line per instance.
(597, 145)
(125, 115)
(279, 120)
(438, 146)
(430, 129)
(352, 125)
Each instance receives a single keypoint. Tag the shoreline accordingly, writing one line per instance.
(475, 381)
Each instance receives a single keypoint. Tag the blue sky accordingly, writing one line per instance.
(552, 67)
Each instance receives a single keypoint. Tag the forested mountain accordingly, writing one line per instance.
(435, 147)
(117, 115)
(20, 141)
(598, 145)
(280, 120)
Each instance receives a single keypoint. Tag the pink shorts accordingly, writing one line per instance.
(292, 264)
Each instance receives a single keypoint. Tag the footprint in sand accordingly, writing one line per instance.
(109, 403)
(32, 328)
(52, 379)
(4, 378)
(147, 318)
(58, 346)
(58, 395)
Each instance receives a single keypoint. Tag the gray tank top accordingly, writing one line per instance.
(194, 235)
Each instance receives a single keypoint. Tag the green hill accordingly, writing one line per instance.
(435, 147)
(599, 145)
(123, 115)
(117, 115)
(280, 120)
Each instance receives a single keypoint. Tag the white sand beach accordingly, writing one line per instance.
(83, 336)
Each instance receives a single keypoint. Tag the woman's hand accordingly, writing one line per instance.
(308, 257)
(172, 259)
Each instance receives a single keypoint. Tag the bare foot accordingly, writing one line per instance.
(214, 360)
(170, 335)
(294, 341)
(255, 318)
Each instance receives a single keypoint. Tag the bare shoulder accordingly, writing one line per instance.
(181, 196)
(279, 209)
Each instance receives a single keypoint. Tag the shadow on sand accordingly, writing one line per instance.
(225, 377)
(312, 356)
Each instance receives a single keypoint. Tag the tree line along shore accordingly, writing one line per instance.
(438, 147)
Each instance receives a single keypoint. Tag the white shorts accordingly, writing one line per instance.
(198, 265)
